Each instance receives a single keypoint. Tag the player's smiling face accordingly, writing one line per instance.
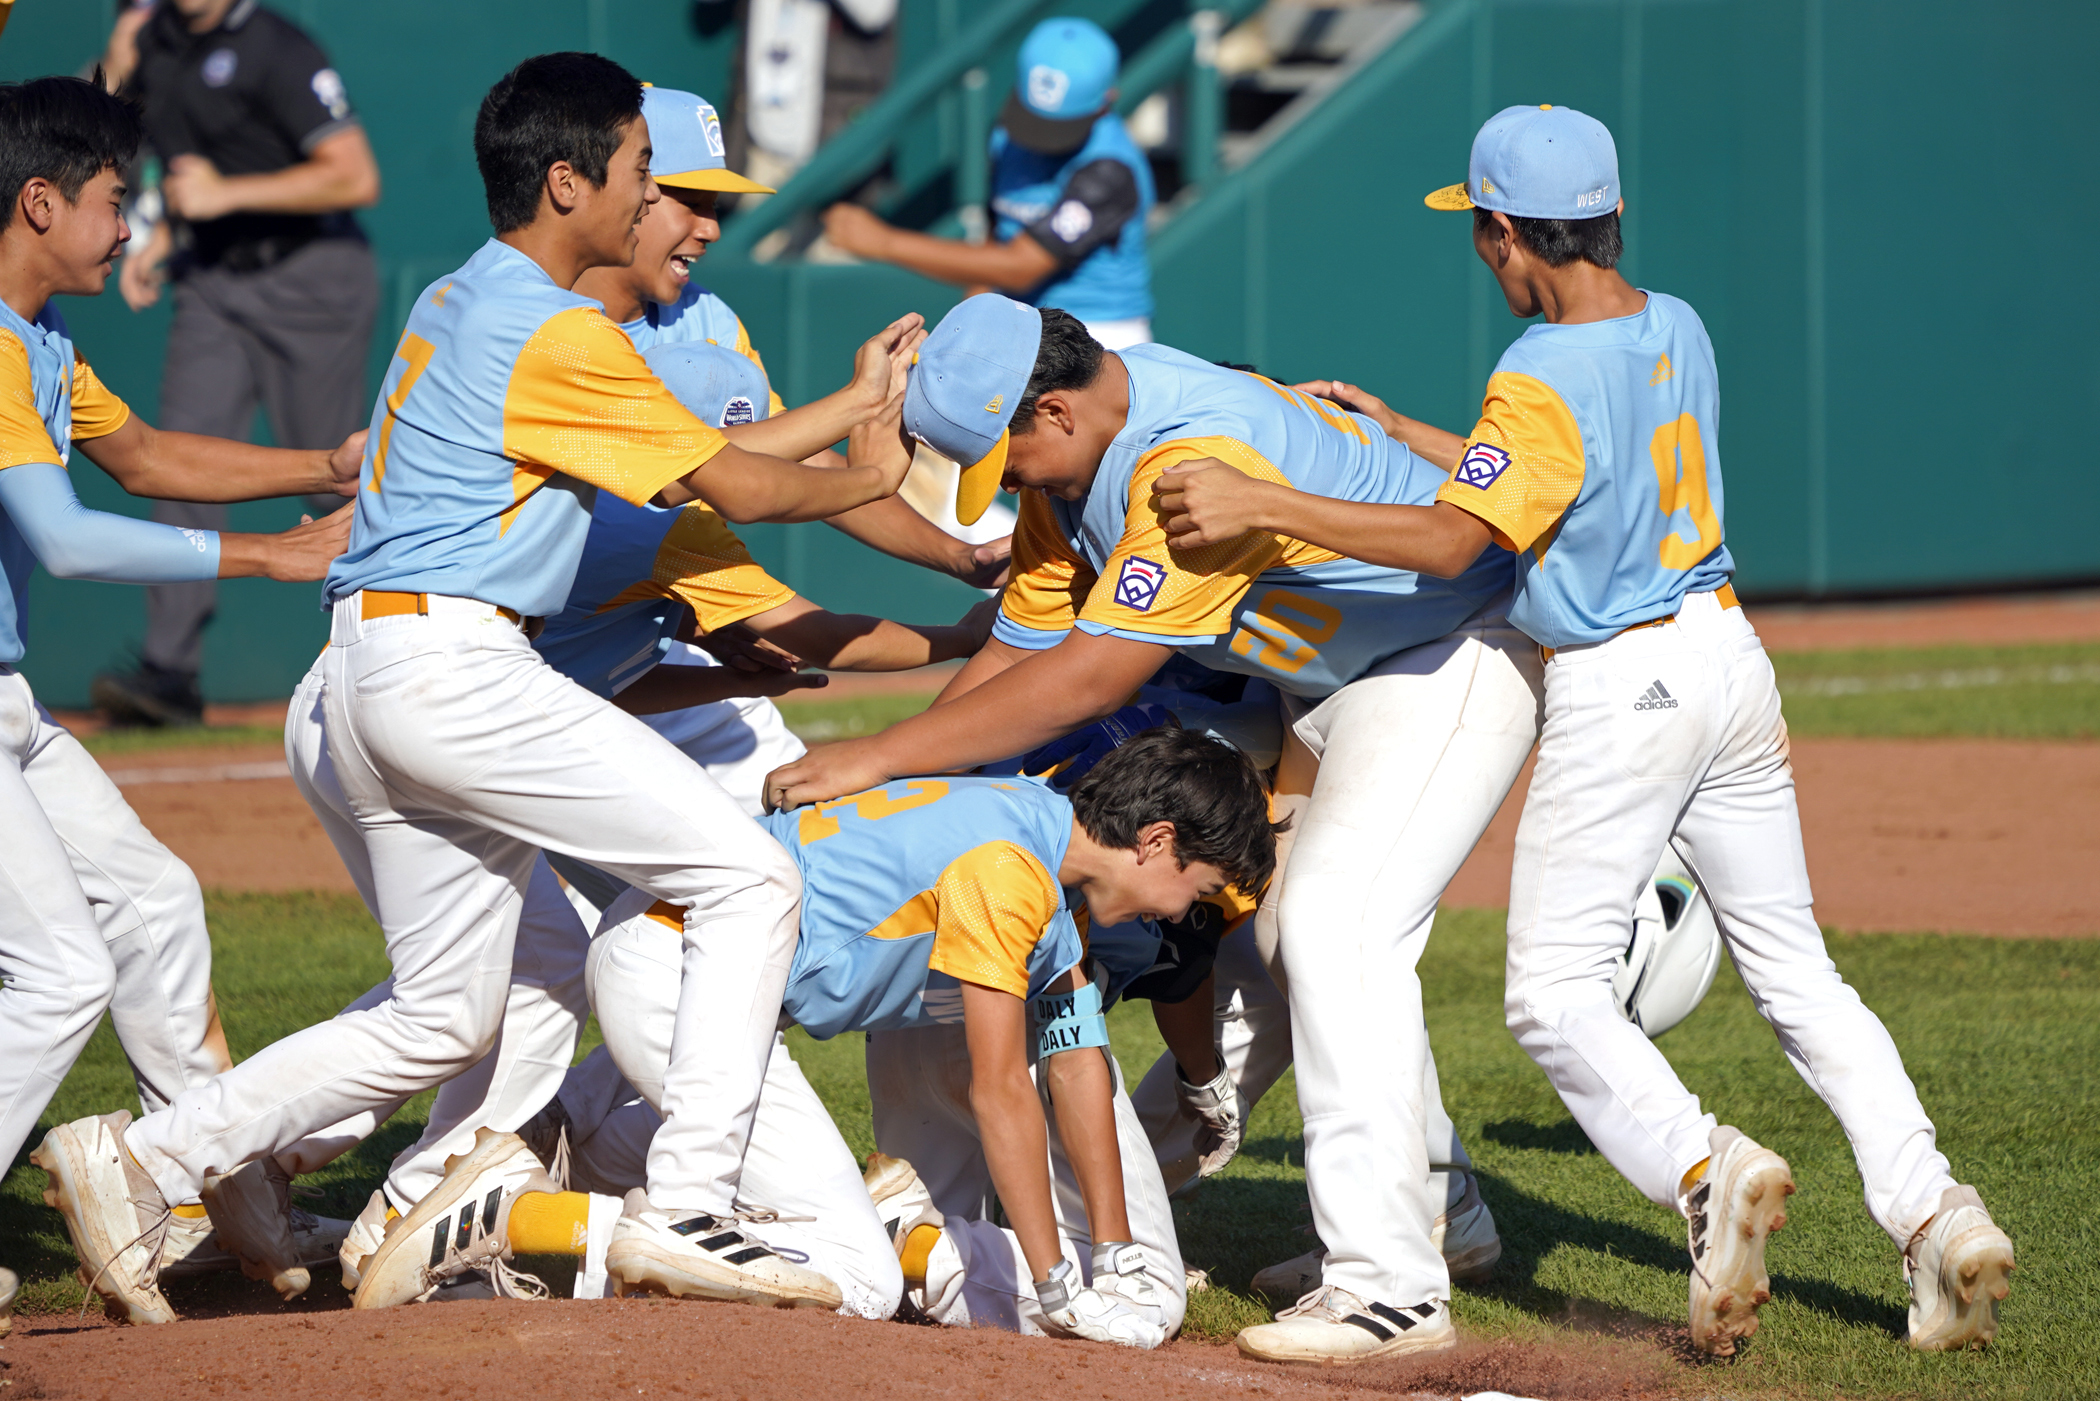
(87, 233)
(672, 236)
(609, 216)
(1146, 881)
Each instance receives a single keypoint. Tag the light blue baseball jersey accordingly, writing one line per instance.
(1093, 226)
(1307, 620)
(914, 888)
(508, 403)
(48, 398)
(1598, 456)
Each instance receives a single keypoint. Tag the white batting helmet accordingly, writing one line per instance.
(1675, 951)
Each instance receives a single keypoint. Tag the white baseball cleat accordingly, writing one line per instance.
(9, 1287)
(114, 1213)
(1959, 1267)
(1331, 1325)
(364, 1236)
(699, 1256)
(1094, 1312)
(1465, 1234)
(254, 1225)
(460, 1227)
(901, 1199)
(1738, 1202)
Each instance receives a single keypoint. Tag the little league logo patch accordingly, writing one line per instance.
(739, 410)
(1480, 466)
(711, 129)
(1139, 583)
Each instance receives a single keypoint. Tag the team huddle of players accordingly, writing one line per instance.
(1266, 661)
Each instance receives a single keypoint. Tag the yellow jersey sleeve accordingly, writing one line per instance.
(750, 352)
(703, 563)
(96, 411)
(23, 437)
(1048, 581)
(1151, 589)
(995, 902)
(1522, 466)
(584, 403)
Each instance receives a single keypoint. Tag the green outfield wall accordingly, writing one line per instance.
(1877, 207)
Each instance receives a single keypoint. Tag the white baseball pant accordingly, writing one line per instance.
(1415, 757)
(95, 914)
(1702, 757)
(1254, 1045)
(462, 755)
(797, 1165)
(919, 1087)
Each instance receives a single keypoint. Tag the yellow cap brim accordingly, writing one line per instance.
(979, 483)
(726, 182)
(1450, 197)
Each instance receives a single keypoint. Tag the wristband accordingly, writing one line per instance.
(1055, 1293)
(1068, 1021)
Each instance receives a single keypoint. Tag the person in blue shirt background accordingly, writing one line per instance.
(1071, 193)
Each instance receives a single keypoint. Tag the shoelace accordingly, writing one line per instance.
(160, 1224)
(1321, 1301)
(485, 1257)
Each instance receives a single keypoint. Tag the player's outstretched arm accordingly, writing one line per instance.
(1208, 502)
(74, 542)
(1188, 1027)
(1014, 266)
(1084, 1095)
(853, 642)
(152, 462)
(1043, 697)
(662, 689)
(1428, 442)
(1010, 1121)
(893, 527)
(879, 369)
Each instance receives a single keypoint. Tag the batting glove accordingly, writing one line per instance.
(1220, 1115)
(1119, 1273)
(1090, 1314)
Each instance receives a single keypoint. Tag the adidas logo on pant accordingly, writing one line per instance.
(1656, 698)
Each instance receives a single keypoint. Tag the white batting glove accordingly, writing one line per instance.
(1216, 1106)
(1091, 1314)
(1119, 1273)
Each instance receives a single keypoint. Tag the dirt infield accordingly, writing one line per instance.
(645, 1347)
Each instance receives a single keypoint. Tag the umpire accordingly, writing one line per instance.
(275, 286)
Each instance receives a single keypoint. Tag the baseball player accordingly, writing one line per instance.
(939, 905)
(1597, 456)
(646, 576)
(100, 915)
(510, 401)
(1411, 706)
(656, 302)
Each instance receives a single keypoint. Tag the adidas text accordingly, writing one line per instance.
(1656, 698)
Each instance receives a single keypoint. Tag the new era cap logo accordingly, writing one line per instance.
(1047, 87)
(1139, 583)
(1656, 698)
(998, 401)
(1480, 466)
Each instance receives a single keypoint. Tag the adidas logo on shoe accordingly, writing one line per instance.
(1656, 698)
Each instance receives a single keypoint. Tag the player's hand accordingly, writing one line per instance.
(880, 364)
(1355, 400)
(195, 190)
(140, 278)
(1102, 1318)
(740, 649)
(1208, 503)
(979, 620)
(879, 442)
(828, 771)
(346, 462)
(303, 553)
(854, 230)
(986, 566)
(1220, 1116)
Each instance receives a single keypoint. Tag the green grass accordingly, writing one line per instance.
(819, 720)
(127, 741)
(2001, 1036)
(2040, 692)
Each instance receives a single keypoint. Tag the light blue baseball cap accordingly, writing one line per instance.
(965, 384)
(1542, 162)
(1064, 74)
(686, 138)
(720, 386)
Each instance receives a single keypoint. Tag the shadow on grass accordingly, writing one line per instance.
(1564, 1137)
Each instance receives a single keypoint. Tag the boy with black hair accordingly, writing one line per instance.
(1597, 456)
(1410, 702)
(946, 915)
(100, 914)
(510, 402)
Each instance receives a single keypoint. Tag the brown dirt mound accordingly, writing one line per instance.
(649, 1347)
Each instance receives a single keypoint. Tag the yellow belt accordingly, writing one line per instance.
(1726, 593)
(384, 603)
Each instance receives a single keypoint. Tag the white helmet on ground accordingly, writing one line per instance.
(1675, 951)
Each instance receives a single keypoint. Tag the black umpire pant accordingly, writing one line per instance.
(293, 337)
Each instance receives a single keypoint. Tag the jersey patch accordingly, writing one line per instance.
(739, 409)
(1139, 583)
(1480, 466)
(1072, 220)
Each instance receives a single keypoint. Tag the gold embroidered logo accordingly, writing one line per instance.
(1487, 186)
(1662, 372)
(998, 401)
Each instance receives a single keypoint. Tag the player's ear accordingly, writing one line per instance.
(34, 203)
(561, 185)
(1155, 840)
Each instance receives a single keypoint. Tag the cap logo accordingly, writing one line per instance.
(1487, 186)
(711, 131)
(1047, 87)
(1592, 199)
(998, 402)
